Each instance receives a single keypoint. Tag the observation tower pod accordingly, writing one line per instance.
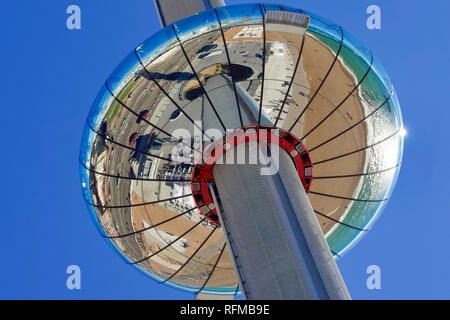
(243, 149)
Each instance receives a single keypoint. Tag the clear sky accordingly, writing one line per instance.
(50, 77)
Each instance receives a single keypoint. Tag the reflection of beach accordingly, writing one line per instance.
(316, 60)
(172, 258)
(159, 238)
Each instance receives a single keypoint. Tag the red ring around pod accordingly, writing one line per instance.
(202, 176)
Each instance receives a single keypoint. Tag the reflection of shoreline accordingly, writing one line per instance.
(366, 110)
(361, 187)
(368, 129)
(341, 76)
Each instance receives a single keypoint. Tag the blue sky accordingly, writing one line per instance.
(51, 76)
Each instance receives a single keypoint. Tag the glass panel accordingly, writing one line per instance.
(143, 117)
(177, 99)
(182, 245)
(123, 77)
(208, 55)
(86, 143)
(197, 270)
(334, 137)
(156, 45)
(245, 46)
(349, 70)
(382, 74)
(316, 61)
(150, 191)
(341, 239)
(324, 27)
(100, 107)
(359, 50)
(283, 8)
(372, 187)
(163, 264)
(294, 106)
(322, 43)
(94, 215)
(223, 277)
(129, 248)
(194, 26)
(395, 109)
(284, 41)
(360, 214)
(368, 98)
(153, 214)
(136, 118)
(301, 95)
(86, 184)
(272, 7)
(234, 15)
